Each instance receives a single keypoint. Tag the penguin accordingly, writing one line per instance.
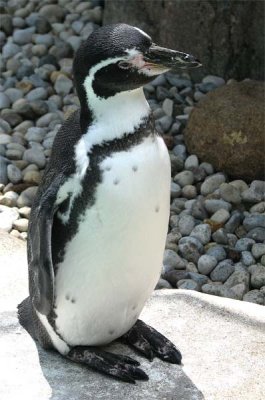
(99, 220)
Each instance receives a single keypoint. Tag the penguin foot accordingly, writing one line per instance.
(151, 343)
(115, 365)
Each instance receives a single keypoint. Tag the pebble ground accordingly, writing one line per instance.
(216, 238)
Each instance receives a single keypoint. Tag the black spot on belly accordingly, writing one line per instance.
(135, 168)
(116, 181)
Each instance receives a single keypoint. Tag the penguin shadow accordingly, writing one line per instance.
(71, 381)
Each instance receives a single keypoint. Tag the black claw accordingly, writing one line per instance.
(149, 342)
(115, 365)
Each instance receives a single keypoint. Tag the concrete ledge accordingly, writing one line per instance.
(222, 343)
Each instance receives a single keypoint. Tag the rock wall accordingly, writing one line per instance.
(227, 36)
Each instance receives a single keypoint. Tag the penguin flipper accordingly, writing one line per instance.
(41, 271)
(149, 342)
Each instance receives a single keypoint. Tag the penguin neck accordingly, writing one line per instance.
(115, 116)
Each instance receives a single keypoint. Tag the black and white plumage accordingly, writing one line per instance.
(99, 221)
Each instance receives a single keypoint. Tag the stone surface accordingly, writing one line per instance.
(181, 315)
(232, 142)
(185, 20)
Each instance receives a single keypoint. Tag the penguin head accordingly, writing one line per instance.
(117, 58)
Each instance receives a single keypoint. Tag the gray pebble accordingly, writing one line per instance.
(180, 151)
(258, 276)
(188, 284)
(258, 234)
(213, 205)
(202, 232)
(37, 94)
(35, 156)
(244, 244)
(233, 222)
(216, 80)
(222, 271)
(13, 173)
(198, 210)
(35, 134)
(10, 49)
(258, 250)
(191, 162)
(174, 276)
(239, 276)
(175, 190)
(186, 224)
(219, 290)
(184, 178)
(21, 224)
(189, 192)
(189, 250)
(199, 278)
(9, 199)
(163, 284)
(220, 216)
(3, 170)
(163, 124)
(172, 260)
(167, 107)
(193, 240)
(4, 101)
(23, 36)
(247, 258)
(220, 236)
(7, 217)
(206, 264)
(161, 92)
(253, 221)
(26, 198)
(230, 193)
(254, 296)
(212, 183)
(14, 94)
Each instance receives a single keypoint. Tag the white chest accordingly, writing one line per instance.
(113, 263)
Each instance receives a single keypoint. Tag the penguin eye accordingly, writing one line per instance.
(124, 65)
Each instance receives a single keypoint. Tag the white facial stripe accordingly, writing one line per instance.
(142, 32)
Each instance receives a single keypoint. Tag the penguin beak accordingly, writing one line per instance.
(157, 56)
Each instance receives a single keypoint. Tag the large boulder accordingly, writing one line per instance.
(227, 130)
(227, 36)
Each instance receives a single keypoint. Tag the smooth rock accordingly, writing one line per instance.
(13, 173)
(4, 101)
(212, 183)
(253, 221)
(175, 189)
(247, 258)
(213, 205)
(21, 224)
(206, 264)
(188, 284)
(258, 250)
(220, 236)
(9, 199)
(222, 271)
(7, 217)
(254, 296)
(35, 156)
(220, 216)
(258, 277)
(202, 232)
(257, 234)
(172, 260)
(26, 198)
(244, 244)
(186, 224)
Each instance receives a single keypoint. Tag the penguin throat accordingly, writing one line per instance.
(120, 114)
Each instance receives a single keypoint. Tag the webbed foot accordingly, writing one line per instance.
(115, 365)
(151, 343)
